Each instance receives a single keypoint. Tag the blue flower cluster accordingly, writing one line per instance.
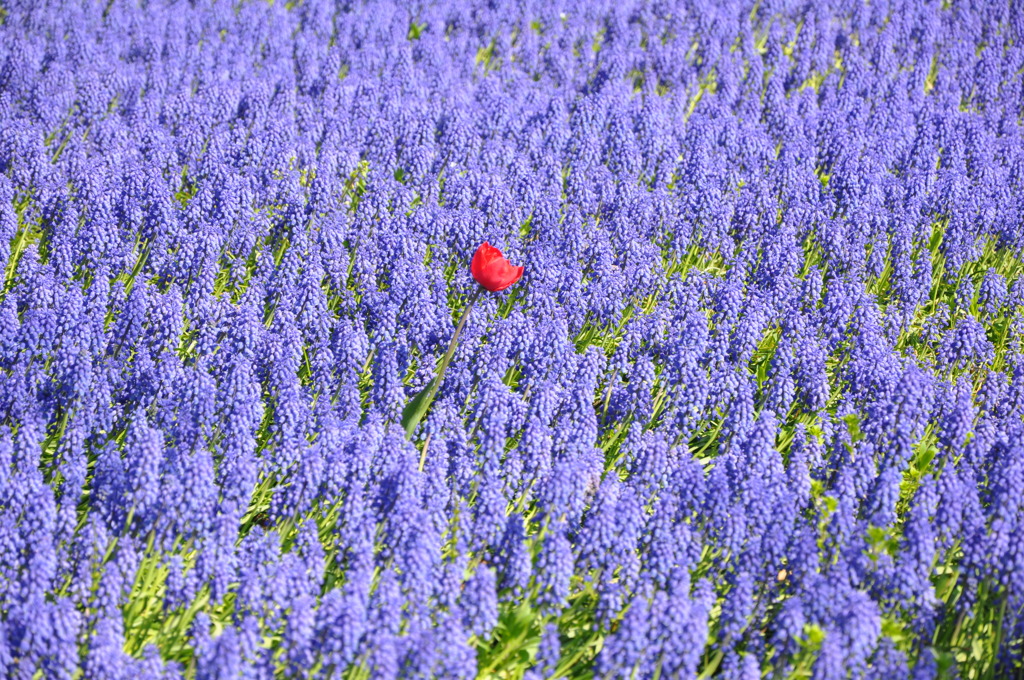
(756, 407)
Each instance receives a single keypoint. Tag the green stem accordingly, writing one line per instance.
(423, 453)
(436, 384)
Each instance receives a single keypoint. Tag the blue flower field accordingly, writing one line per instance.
(753, 406)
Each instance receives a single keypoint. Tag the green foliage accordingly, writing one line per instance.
(417, 407)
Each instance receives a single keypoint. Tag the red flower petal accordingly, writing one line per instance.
(491, 270)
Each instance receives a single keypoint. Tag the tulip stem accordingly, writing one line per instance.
(436, 383)
(454, 342)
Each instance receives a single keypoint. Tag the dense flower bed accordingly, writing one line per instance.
(755, 407)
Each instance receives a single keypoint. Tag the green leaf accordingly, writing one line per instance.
(895, 630)
(815, 636)
(416, 30)
(417, 407)
(520, 620)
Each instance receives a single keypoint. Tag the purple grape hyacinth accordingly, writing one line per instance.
(754, 408)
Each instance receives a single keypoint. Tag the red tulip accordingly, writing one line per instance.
(491, 270)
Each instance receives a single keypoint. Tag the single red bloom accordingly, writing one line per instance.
(491, 270)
